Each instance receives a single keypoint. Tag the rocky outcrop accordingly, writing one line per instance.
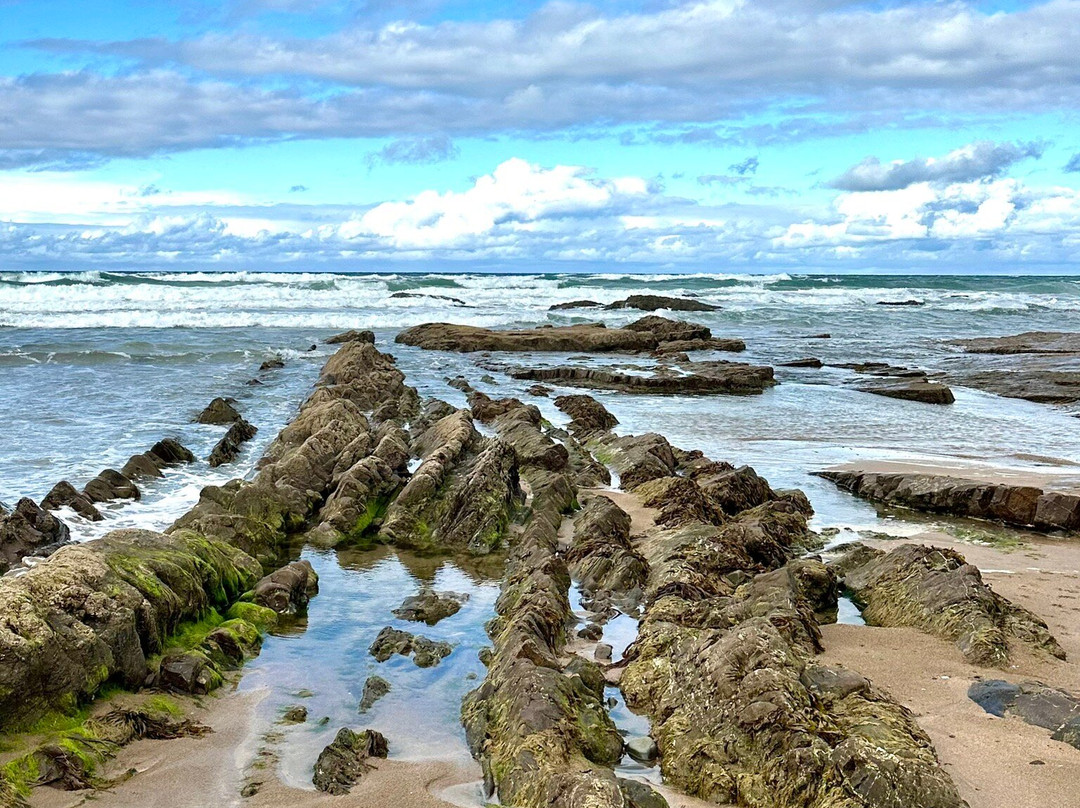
(593, 338)
(96, 612)
(657, 302)
(429, 606)
(220, 411)
(923, 391)
(1030, 342)
(1042, 386)
(351, 335)
(575, 304)
(586, 414)
(28, 530)
(601, 558)
(345, 761)
(666, 330)
(446, 298)
(1020, 505)
(228, 448)
(937, 591)
(690, 378)
(723, 666)
(359, 389)
(375, 687)
(108, 485)
(462, 494)
(170, 452)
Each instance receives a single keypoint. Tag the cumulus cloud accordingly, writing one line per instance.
(415, 151)
(976, 161)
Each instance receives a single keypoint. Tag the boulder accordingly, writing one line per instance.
(188, 672)
(586, 414)
(63, 494)
(351, 336)
(272, 364)
(220, 411)
(27, 531)
(344, 762)
(429, 606)
(170, 452)
(287, 590)
(643, 749)
(425, 652)
(142, 465)
(110, 484)
(923, 391)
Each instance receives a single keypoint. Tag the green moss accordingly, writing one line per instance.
(191, 633)
(164, 705)
(261, 617)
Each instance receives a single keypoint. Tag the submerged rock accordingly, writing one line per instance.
(425, 653)
(344, 762)
(220, 411)
(297, 714)
(228, 448)
(936, 590)
(375, 687)
(430, 607)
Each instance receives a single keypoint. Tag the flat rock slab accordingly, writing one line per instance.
(733, 378)
(468, 339)
(1046, 342)
(922, 391)
(1032, 702)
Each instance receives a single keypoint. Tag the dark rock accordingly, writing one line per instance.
(575, 304)
(351, 336)
(924, 391)
(656, 302)
(220, 411)
(64, 494)
(344, 762)
(426, 653)
(228, 448)
(287, 590)
(730, 490)
(466, 339)
(110, 484)
(142, 465)
(429, 606)
(375, 687)
(170, 452)
(695, 378)
(1032, 702)
(456, 301)
(1019, 505)
(591, 632)
(540, 390)
(819, 336)
(809, 362)
(1030, 342)
(27, 531)
(272, 364)
(643, 749)
(901, 303)
(667, 330)
(460, 383)
(586, 413)
(188, 672)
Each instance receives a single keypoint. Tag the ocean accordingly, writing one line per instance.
(97, 366)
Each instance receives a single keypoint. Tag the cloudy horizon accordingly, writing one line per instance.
(428, 135)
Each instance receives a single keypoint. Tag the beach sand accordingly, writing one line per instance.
(995, 762)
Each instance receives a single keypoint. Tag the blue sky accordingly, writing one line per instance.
(661, 135)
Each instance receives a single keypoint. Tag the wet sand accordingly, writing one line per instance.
(212, 771)
(995, 762)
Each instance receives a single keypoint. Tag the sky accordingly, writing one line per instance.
(444, 135)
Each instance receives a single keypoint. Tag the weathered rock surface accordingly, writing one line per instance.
(228, 448)
(1032, 702)
(937, 591)
(425, 652)
(586, 414)
(345, 761)
(142, 465)
(1030, 342)
(809, 362)
(29, 530)
(289, 589)
(351, 335)
(110, 484)
(706, 377)
(170, 452)
(575, 304)
(601, 557)
(95, 611)
(1004, 502)
(583, 338)
(666, 330)
(429, 606)
(923, 391)
(375, 687)
(657, 302)
(1041, 386)
(220, 411)
(63, 494)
